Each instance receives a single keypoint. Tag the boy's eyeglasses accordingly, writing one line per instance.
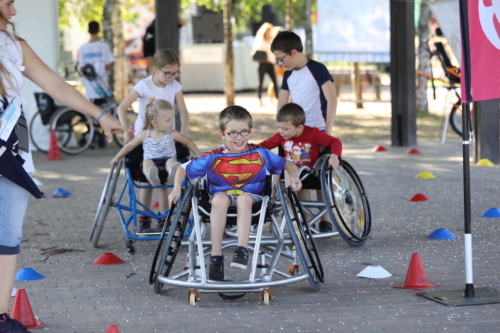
(281, 61)
(169, 75)
(234, 134)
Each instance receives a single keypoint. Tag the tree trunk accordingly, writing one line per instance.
(289, 15)
(423, 56)
(229, 63)
(113, 35)
(308, 28)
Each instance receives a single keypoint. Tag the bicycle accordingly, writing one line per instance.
(74, 131)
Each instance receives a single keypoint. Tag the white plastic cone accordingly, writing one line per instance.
(374, 272)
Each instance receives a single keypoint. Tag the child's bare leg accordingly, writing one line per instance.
(163, 199)
(244, 218)
(220, 204)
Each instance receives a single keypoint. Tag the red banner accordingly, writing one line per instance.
(484, 37)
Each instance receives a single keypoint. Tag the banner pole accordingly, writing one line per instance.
(467, 140)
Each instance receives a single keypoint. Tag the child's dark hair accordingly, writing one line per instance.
(286, 41)
(293, 112)
(94, 27)
(234, 112)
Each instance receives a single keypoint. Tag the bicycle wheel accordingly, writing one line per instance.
(40, 133)
(74, 130)
(131, 116)
(456, 118)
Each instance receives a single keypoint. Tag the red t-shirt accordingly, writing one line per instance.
(304, 149)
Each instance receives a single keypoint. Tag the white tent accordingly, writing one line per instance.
(37, 22)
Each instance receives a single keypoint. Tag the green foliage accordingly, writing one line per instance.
(91, 10)
(247, 11)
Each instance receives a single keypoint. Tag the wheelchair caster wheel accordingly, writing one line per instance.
(130, 246)
(267, 296)
(193, 297)
(293, 270)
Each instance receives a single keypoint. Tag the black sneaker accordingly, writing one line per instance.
(216, 269)
(240, 259)
(325, 226)
(9, 325)
(158, 228)
(144, 224)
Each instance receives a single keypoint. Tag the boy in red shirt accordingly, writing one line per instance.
(301, 145)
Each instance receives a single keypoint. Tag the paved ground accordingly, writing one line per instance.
(76, 296)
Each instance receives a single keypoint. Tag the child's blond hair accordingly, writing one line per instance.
(153, 109)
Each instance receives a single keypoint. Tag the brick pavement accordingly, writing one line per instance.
(76, 296)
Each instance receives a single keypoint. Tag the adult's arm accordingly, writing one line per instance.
(57, 88)
(331, 105)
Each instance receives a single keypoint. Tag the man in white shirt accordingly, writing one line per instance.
(97, 54)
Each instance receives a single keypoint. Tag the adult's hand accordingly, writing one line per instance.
(111, 125)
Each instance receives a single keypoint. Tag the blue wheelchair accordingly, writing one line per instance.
(128, 207)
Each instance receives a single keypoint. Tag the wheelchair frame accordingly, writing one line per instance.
(300, 247)
(108, 200)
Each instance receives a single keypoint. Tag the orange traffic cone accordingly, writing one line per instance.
(113, 329)
(54, 152)
(156, 204)
(416, 277)
(22, 312)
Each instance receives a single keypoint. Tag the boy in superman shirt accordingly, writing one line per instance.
(301, 145)
(235, 173)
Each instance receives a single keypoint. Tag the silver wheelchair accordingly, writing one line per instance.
(278, 258)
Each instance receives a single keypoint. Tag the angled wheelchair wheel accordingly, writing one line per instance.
(175, 235)
(105, 202)
(39, 132)
(297, 227)
(152, 272)
(74, 130)
(346, 202)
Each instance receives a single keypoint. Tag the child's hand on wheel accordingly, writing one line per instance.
(334, 161)
(174, 195)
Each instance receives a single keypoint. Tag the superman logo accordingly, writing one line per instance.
(238, 171)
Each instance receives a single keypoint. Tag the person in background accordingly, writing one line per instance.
(262, 46)
(18, 60)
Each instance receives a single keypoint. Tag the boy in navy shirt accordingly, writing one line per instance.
(306, 81)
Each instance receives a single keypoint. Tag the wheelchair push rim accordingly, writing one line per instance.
(346, 202)
(152, 273)
(294, 225)
(174, 239)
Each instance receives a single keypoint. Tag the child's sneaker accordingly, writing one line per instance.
(152, 176)
(9, 325)
(325, 226)
(240, 258)
(144, 224)
(171, 173)
(216, 269)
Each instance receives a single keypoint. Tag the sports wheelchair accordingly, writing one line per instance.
(345, 201)
(127, 205)
(265, 270)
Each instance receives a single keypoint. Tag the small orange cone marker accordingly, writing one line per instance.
(113, 329)
(108, 259)
(416, 277)
(54, 152)
(22, 312)
(419, 197)
(379, 149)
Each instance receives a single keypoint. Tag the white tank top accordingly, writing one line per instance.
(163, 148)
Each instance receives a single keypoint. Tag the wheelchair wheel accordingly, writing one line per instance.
(152, 272)
(302, 243)
(40, 133)
(174, 238)
(74, 130)
(131, 116)
(346, 202)
(105, 202)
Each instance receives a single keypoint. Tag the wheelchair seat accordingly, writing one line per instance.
(134, 159)
(204, 205)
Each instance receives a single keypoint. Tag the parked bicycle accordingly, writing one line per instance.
(75, 132)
